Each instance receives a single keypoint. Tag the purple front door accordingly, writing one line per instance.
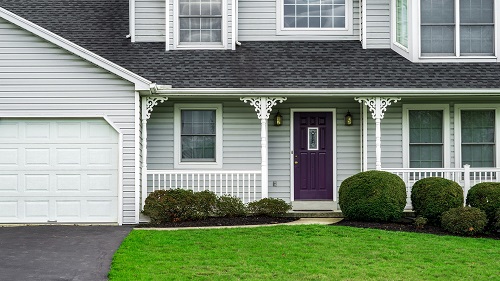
(313, 156)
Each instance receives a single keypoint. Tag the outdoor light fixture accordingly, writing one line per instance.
(348, 119)
(278, 119)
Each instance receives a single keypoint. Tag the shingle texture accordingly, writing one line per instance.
(101, 26)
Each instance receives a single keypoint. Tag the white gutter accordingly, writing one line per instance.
(340, 92)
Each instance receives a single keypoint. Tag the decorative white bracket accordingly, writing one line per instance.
(263, 105)
(378, 105)
(151, 102)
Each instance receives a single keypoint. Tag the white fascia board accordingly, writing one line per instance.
(141, 84)
(340, 92)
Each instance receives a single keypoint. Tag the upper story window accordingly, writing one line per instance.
(200, 23)
(311, 17)
(457, 28)
(402, 22)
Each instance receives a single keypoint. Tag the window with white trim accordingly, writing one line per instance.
(402, 22)
(200, 22)
(198, 136)
(457, 28)
(305, 17)
(426, 138)
(478, 137)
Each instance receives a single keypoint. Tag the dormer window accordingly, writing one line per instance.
(200, 24)
(314, 17)
(457, 28)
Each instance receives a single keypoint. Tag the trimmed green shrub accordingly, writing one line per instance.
(273, 207)
(485, 196)
(172, 205)
(496, 225)
(229, 206)
(205, 203)
(464, 220)
(433, 196)
(373, 196)
(420, 222)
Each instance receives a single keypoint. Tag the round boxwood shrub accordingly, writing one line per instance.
(229, 206)
(172, 205)
(464, 220)
(433, 196)
(485, 196)
(373, 196)
(273, 207)
(205, 203)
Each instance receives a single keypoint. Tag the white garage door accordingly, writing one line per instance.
(58, 170)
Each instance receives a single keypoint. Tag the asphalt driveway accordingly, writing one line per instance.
(58, 252)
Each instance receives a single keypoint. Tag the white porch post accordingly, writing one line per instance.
(378, 106)
(148, 103)
(263, 107)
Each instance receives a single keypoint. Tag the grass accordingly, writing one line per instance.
(303, 252)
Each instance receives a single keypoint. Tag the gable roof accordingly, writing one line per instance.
(139, 82)
(101, 26)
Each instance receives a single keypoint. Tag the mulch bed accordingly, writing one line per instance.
(234, 221)
(407, 225)
(402, 225)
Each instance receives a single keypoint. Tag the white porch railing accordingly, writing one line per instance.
(242, 184)
(465, 177)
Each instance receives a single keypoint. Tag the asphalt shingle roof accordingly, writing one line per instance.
(101, 26)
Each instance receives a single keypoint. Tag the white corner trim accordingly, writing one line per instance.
(178, 164)
(140, 82)
(446, 131)
(131, 17)
(137, 155)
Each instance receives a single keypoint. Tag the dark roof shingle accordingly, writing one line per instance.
(101, 26)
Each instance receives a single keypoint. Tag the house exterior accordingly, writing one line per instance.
(102, 102)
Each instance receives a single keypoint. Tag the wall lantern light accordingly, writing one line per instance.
(278, 119)
(348, 119)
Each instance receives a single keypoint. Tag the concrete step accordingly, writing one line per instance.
(314, 214)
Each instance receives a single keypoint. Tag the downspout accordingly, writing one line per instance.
(234, 24)
(363, 23)
(167, 25)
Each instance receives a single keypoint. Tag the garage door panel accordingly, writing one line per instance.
(10, 157)
(37, 210)
(55, 170)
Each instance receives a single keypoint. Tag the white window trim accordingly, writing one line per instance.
(394, 26)
(458, 130)
(446, 131)
(177, 43)
(178, 164)
(415, 14)
(281, 30)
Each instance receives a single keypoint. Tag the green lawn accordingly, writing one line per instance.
(303, 252)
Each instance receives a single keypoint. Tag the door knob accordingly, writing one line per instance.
(296, 162)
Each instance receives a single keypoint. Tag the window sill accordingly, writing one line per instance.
(200, 47)
(198, 165)
(314, 31)
(471, 59)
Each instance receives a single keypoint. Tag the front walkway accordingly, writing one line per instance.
(58, 252)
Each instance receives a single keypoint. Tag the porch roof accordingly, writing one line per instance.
(101, 26)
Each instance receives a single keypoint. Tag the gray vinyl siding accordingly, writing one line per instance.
(150, 21)
(378, 24)
(241, 139)
(257, 22)
(40, 79)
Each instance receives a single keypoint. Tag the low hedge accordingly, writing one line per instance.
(373, 196)
(464, 220)
(229, 206)
(172, 205)
(273, 207)
(433, 196)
